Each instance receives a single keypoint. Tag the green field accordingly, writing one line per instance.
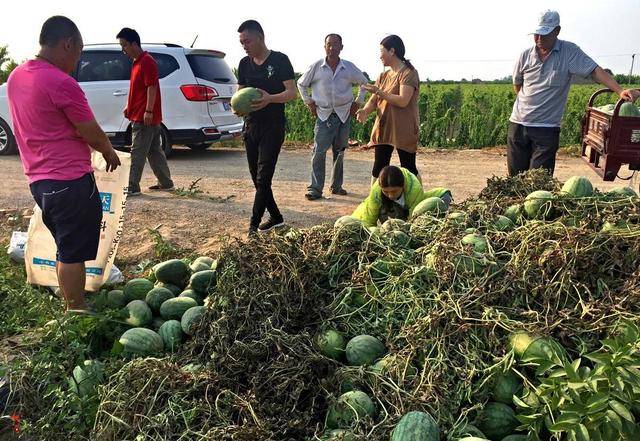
(459, 115)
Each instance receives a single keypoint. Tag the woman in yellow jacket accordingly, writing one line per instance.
(394, 196)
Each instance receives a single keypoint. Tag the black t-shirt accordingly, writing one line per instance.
(267, 76)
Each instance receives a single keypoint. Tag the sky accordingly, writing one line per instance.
(451, 39)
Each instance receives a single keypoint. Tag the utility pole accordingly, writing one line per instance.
(633, 56)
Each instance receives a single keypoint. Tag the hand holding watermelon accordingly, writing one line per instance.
(261, 102)
(243, 100)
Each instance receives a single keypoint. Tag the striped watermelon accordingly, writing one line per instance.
(416, 426)
(364, 350)
(174, 308)
(137, 289)
(171, 334)
(139, 313)
(141, 341)
(156, 297)
(577, 187)
(191, 318)
(349, 408)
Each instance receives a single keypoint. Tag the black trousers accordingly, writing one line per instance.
(382, 158)
(531, 147)
(263, 142)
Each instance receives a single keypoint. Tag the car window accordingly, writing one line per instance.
(166, 64)
(103, 66)
(211, 68)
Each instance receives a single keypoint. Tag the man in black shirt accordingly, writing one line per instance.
(271, 73)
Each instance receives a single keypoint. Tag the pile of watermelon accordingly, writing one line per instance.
(456, 324)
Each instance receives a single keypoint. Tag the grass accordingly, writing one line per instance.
(456, 116)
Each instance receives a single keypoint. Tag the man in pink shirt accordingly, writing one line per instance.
(55, 131)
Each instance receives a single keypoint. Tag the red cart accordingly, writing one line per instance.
(610, 140)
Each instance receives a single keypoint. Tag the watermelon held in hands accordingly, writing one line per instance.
(241, 100)
(364, 350)
(577, 187)
(331, 344)
(628, 109)
(416, 426)
(349, 408)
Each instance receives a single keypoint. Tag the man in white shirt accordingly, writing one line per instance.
(330, 81)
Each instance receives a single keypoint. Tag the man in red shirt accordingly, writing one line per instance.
(144, 110)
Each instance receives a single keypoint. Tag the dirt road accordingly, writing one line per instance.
(225, 206)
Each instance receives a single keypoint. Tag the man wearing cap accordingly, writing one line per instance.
(541, 79)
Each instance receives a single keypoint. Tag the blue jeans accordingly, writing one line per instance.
(330, 133)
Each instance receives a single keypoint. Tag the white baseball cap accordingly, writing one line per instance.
(549, 20)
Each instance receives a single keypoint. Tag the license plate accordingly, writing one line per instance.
(226, 105)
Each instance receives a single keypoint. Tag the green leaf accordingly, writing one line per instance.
(519, 403)
(621, 410)
(599, 358)
(582, 434)
(614, 419)
(563, 426)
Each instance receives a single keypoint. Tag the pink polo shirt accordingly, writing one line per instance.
(44, 103)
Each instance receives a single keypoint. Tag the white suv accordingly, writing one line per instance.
(196, 87)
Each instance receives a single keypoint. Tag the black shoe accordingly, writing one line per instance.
(270, 225)
(313, 196)
(253, 232)
(340, 191)
(161, 188)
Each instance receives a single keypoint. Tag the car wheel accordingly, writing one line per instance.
(165, 142)
(199, 147)
(7, 141)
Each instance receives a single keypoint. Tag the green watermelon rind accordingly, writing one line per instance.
(137, 289)
(416, 425)
(171, 334)
(191, 318)
(174, 308)
(139, 313)
(156, 297)
(173, 271)
(364, 350)
(141, 341)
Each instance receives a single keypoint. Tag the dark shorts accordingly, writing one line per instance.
(72, 210)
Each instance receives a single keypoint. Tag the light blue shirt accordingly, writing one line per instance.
(332, 91)
(545, 85)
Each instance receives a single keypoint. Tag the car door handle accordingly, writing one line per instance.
(119, 93)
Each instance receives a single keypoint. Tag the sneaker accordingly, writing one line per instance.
(270, 225)
(340, 191)
(312, 196)
(253, 232)
(161, 188)
(134, 193)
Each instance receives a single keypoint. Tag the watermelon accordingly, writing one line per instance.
(174, 271)
(176, 290)
(514, 212)
(380, 270)
(530, 348)
(349, 408)
(156, 297)
(416, 426)
(440, 192)
(577, 187)
(390, 362)
(209, 261)
(139, 313)
(622, 192)
(469, 430)
(505, 387)
(203, 282)
(350, 226)
(399, 239)
(331, 344)
(472, 264)
(477, 241)
(116, 299)
(433, 206)
(141, 341)
(191, 318)
(503, 223)
(86, 377)
(497, 420)
(174, 308)
(539, 205)
(171, 334)
(199, 266)
(458, 217)
(241, 100)
(364, 350)
(628, 109)
(393, 224)
(472, 438)
(137, 289)
(339, 435)
(199, 298)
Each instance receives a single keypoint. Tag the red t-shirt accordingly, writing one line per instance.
(144, 73)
